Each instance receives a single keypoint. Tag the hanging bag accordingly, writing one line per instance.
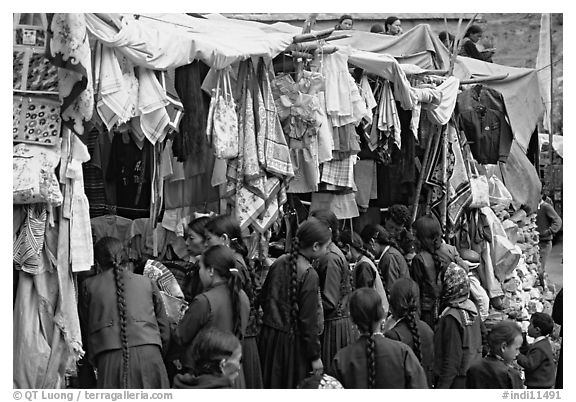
(224, 122)
(479, 188)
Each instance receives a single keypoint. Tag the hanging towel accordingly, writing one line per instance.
(449, 90)
(388, 120)
(152, 102)
(30, 241)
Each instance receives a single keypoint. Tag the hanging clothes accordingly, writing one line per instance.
(483, 119)
(29, 243)
(190, 139)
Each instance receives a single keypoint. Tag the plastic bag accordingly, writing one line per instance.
(222, 125)
(499, 196)
(479, 188)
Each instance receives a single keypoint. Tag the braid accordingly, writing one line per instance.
(371, 354)
(121, 301)
(294, 282)
(235, 285)
(412, 325)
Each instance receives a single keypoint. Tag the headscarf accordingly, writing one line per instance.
(455, 286)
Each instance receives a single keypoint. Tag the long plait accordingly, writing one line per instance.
(235, 285)
(294, 283)
(121, 302)
(371, 354)
(412, 325)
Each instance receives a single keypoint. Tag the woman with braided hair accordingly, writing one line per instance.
(374, 361)
(223, 304)
(289, 342)
(405, 325)
(225, 230)
(126, 322)
(335, 289)
(390, 261)
(365, 273)
(428, 265)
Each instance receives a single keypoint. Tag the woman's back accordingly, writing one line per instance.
(396, 365)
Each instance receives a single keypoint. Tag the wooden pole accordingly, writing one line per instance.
(551, 131)
(444, 202)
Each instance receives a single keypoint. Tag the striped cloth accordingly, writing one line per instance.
(30, 241)
(339, 172)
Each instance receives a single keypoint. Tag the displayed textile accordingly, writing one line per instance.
(459, 195)
(129, 168)
(94, 187)
(222, 124)
(33, 72)
(152, 102)
(190, 139)
(442, 113)
(343, 205)
(339, 172)
(111, 225)
(81, 248)
(36, 120)
(276, 153)
(29, 243)
(117, 86)
(68, 48)
(388, 121)
(484, 121)
(33, 174)
(366, 182)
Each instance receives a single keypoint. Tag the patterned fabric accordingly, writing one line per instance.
(163, 277)
(69, 48)
(33, 177)
(30, 241)
(340, 173)
(36, 120)
(222, 126)
(152, 102)
(455, 285)
(459, 194)
(42, 75)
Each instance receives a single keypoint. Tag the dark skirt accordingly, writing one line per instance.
(251, 363)
(145, 368)
(337, 334)
(282, 361)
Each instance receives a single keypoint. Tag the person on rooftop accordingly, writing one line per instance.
(345, 23)
(393, 26)
(468, 47)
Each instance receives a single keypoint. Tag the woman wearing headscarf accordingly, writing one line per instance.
(458, 335)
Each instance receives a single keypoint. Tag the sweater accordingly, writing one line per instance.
(538, 364)
(548, 222)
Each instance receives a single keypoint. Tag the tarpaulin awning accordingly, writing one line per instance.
(557, 142)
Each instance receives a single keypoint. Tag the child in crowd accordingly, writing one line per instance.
(405, 325)
(390, 261)
(375, 361)
(537, 359)
(335, 289)
(223, 304)
(365, 273)
(216, 357)
(125, 321)
(225, 230)
(196, 243)
(433, 257)
(458, 336)
(289, 342)
(496, 370)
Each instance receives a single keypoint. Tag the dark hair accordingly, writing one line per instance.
(377, 28)
(543, 322)
(446, 35)
(473, 29)
(312, 230)
(109, 253)
(389, 21)
(405, 240)
(228, 225)
(345, 17)
(210, 346)
(198, 225)
(366, 310)
(503, 332)
(353, 239)
(378, 233)
(330, 219)
(222, 260)
(405, 303)
(428, 228)
(400, 214)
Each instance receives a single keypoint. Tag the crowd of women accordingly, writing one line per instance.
(389, 307)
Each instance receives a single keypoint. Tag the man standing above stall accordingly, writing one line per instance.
(548, 224)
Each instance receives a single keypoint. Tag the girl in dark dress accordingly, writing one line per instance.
(405, 325)
(225, 230)
(497, 369)
(364, 273)
(125, 321)
(390, 261)
(335, 289)
(427, 267)
(222, 305)
(289, 342)
(375, 361)
(216, 355)
(468, 46)
(457, 337)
